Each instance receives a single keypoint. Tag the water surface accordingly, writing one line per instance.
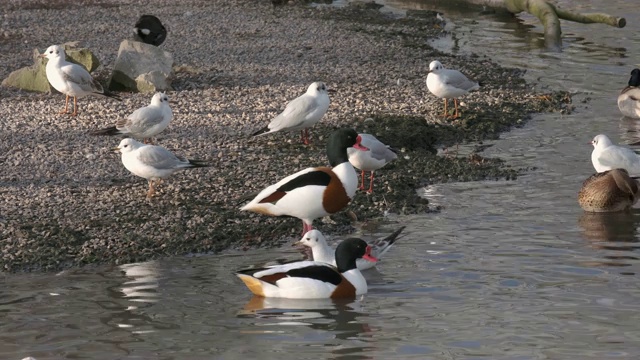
(508, 270)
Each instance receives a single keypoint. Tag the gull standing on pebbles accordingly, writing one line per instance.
(152, 162)
(301, 113)
(371, 160)
(607, 156)
(629, 98)
(448, 83)
(71, 79)
(144, 123)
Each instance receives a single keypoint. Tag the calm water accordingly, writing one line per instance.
(509, 270)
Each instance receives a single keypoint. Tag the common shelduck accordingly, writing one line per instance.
(152, 162)
(313, 279)
(371, 160)
(607, 156)
(71, 79)
(314, 192)
(321, 251)
(301, 113)
(629, 98)
(609, 191)
(448, 83)
(144, 123)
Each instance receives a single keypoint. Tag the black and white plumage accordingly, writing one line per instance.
(150, 30)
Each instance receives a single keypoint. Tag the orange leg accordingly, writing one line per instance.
(75, 106)
(66, 106)
(361, 181)
(455, 114)
(370, 184)
(445, 107)
(304, 136)
(152, 190)
(306, 227)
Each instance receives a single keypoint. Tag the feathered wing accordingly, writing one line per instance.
(142, 119)
(620, 157)
(78, 75)
(457, 79)
(295, 114)
(160, 158)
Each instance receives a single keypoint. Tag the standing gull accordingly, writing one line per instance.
(71, 79)
(152, 162)
(301, 113)
(448, 83)
(629, 98)
(607, 156)
(144, 123)
(371, 160)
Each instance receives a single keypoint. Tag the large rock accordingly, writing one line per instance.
(34, 77)
(141, 67)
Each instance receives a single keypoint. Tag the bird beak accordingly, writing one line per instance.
(359, 146)
(115, 149)
(42, 55)
(367, 255)
(332, 91)
(297, 243)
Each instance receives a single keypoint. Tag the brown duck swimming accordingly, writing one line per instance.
(609, 191)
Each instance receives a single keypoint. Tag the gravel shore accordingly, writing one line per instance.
(66, 200)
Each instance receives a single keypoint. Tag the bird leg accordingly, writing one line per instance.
(304, 136)
(455, 114)
(66, 106)
(147, 141)
(152, 190)
(370, 184)
(445, 107)
(361, 181)
(306, 228)
(75, 106)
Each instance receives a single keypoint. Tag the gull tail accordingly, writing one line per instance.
(198, 163)
(264, 130)
(110, 95)
(383, 245)
(110, 131)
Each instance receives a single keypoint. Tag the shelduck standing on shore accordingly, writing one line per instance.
(314, 192)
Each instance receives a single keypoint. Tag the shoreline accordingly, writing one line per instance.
(67, 201)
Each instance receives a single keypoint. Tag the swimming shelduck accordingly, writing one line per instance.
(314, 192)
(629, 98)
(371, 160)
(312, 279)
(322, 252)
(301, 113)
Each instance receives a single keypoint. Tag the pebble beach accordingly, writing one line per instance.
(66, 199)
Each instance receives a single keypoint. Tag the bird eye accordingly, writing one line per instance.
(51, 52)
(126, 145)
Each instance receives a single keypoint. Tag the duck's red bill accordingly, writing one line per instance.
(367, 255)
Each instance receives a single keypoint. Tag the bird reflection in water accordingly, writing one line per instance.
(615, 232)
(340, 318)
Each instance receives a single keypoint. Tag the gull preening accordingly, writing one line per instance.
(371, 160)
(629, 98)
(448, 84)
(71, 79)
(144, 123)
(301, 113)
(607, 156)
(152, 162)
(609, 191)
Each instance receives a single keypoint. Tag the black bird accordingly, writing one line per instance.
(150, 30)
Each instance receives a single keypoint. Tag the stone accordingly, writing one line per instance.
(34, 77)
(141, 67)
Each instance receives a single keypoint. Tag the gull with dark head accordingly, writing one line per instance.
(71, 79)
(448, 84)
(144, 123)
(152, 162)
(301, 113)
